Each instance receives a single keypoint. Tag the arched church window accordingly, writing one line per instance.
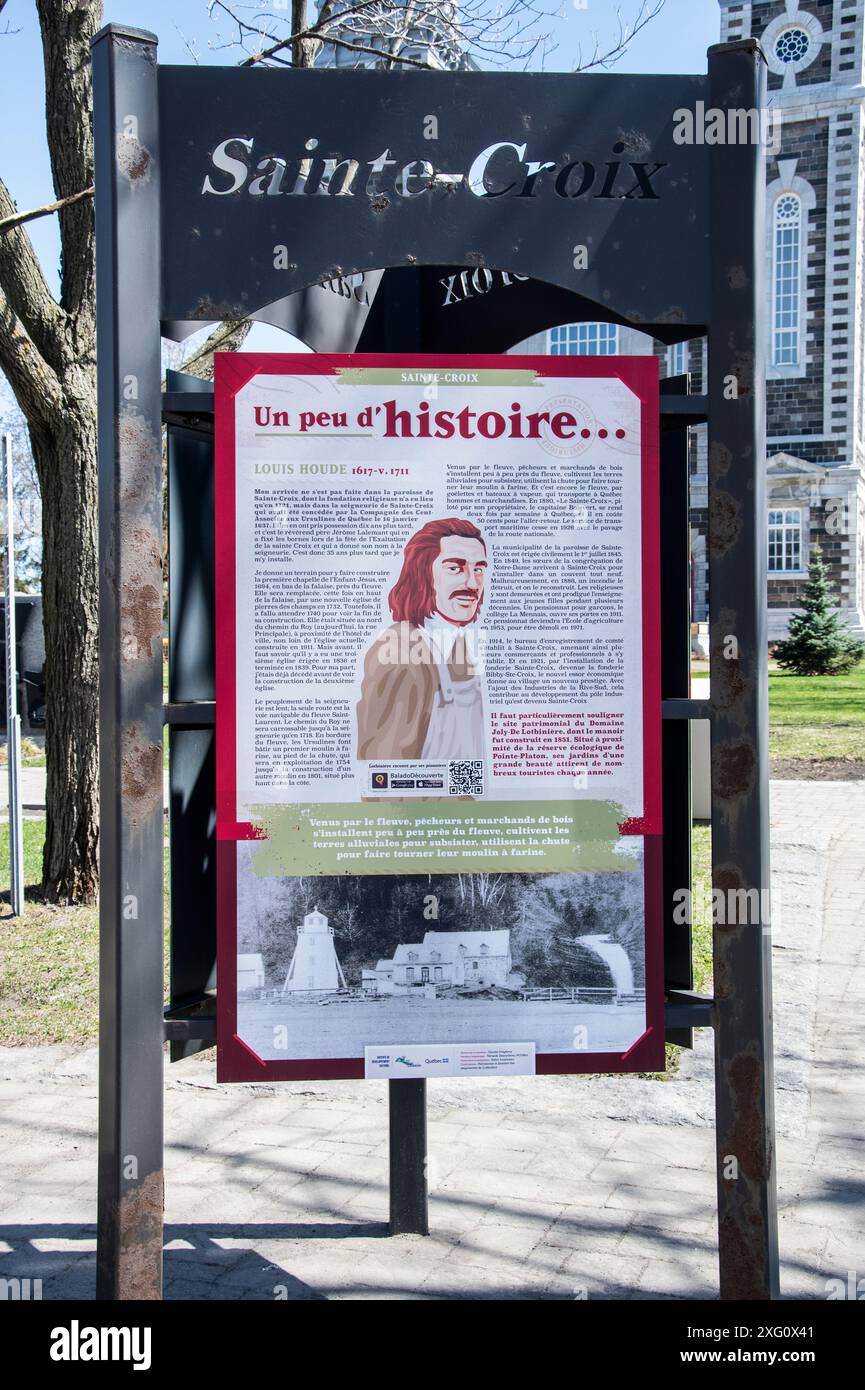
(786, 293)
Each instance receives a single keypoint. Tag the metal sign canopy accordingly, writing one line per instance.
(411, 212)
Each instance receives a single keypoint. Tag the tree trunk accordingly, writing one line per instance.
(65, 460)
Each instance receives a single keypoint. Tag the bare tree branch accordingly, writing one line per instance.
(226, 337)
(33, 381)
(298, 41)
(502, 33)
(189, 45)
(24, 284)
(17, 218)
(649, 10)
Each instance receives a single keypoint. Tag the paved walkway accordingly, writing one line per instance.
(540, 1188)
(33, 790)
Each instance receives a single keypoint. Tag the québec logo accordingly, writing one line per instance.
(77, 1343)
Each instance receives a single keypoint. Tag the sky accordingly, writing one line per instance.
(675, 41)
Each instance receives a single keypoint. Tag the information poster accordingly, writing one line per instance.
(438, 715)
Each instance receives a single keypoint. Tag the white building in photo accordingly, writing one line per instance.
(250, 972)
(314, 965)
(467, 960)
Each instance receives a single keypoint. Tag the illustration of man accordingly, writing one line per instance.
(421, 696)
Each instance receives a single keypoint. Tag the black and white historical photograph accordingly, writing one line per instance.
(329, 966)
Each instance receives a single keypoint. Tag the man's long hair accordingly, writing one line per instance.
(412, 597)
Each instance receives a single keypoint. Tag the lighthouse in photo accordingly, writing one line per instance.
(314, 965)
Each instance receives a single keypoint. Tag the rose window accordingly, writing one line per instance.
(792, 46)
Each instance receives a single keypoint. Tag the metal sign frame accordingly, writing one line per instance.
(183, 274)
(237, 1061)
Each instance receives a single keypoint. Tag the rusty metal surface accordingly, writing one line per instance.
(747, 1203)
(129, 1245)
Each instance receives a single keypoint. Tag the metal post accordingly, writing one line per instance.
(675, 684)
(408, 1171)
(13, 718)
(191, 677)
(747, 1203)
(129, 1253)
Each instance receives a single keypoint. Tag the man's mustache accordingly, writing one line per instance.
(466, 593)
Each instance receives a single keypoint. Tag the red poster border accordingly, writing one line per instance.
(235, 1060)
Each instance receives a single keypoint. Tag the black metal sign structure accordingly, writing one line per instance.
(412, 212)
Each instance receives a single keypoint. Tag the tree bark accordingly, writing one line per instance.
(65, 457)
(48, 352)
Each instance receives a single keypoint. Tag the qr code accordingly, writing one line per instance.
(466, 779)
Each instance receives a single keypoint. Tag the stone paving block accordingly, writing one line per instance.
(842, 1159)
(541, 1215)
(445, 1132)
(680, 1278)
(796, 1180)
(351, 1168)
(397, 1270)
(842, 1209)
(799, 1239)
(694, 1149)
(60, 1173)
(593, 1218)
(286, 1171)
(287, 1136)
(669, 1245)
(184, 1289)
(603, 1271)
(452, 1214)
(652, 1201)
(333, 1144)
(367, 1203)
(328, 1117)
(475, 1119)
(77, 1285)
(533, 1187)
(799, 1285)
(652, 1176)
(184, 1200)
(555, 1162)
(477, 1284)
(844, 1249)
(489, 1241)
(488, 1158)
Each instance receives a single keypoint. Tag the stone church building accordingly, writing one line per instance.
(815, 282)
(815, 254)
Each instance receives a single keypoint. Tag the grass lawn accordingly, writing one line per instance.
(814, 720)
(32, 753)
(817, 718)
(49, 960)
(701, 873)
